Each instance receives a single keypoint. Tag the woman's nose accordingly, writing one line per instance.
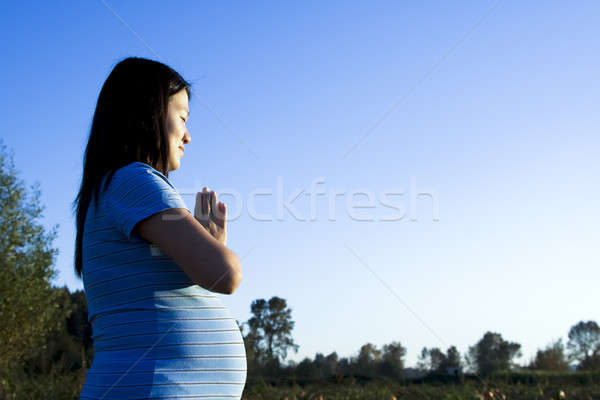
(187, 137)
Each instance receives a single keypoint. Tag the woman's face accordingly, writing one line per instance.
(177, 133)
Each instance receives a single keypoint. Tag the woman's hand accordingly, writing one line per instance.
(211, 214)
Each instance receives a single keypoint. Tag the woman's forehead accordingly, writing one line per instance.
(180, 100)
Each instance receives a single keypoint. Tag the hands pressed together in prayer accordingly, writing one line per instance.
(211, 214)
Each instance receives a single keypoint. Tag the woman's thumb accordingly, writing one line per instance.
(222, 213)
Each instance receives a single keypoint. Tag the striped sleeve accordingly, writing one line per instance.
(136, 192)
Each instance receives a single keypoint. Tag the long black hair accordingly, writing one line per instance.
(129, 124)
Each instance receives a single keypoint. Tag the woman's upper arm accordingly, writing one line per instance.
(206, 261)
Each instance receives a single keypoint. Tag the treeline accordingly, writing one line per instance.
(267, 336)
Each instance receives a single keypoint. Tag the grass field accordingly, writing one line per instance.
(375, 391)
(504, 386)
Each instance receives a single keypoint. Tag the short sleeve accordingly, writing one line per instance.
(137, 191)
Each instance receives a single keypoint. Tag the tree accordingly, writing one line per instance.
(326, 364)
(392, 360)
(492, 353)
(62, 347)
(79, 327)
(434, 360)
(367, 358)
(452, 359)
(552, 358)
(331, 363)
(430, 359)
(29, 308)
(584, 344)
(345, 366)
(308, 370)
(270, 330)
(591, 363)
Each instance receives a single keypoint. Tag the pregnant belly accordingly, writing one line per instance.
(168, 351)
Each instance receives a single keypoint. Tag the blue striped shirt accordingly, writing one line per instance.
(156, 333)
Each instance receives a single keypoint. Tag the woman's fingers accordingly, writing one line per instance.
(199, 208)
(205, 202)
(213, 203)
(198, 205)
(209, 208)
(223, 209)
(218, 209)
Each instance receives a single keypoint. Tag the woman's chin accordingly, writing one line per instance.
(174, 166)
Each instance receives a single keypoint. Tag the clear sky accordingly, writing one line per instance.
(490, 107)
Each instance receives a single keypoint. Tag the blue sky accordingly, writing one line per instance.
(491, 107)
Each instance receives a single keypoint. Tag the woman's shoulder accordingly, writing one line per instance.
(134, 167)
(138, 166)
(132, 172)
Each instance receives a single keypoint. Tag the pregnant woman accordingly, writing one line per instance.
(151, 269)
